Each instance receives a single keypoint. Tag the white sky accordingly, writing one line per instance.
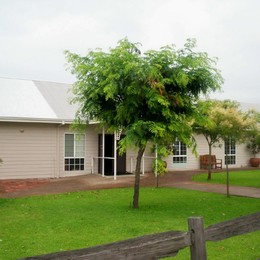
(35, 33)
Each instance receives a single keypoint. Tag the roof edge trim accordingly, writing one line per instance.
(40, 120)
(35, 120)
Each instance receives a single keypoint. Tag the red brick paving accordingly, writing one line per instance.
(178, 179)
(7, 186)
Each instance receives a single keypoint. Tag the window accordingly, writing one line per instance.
(74, 152)
(230, 151)
(179, 152)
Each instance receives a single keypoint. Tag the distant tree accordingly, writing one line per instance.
(222, 121)
(151, 96)
(212, 122)
(253, 134)
(235, 124)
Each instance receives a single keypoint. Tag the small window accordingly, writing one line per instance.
(74, 152)
(230, 151)
(179, 152)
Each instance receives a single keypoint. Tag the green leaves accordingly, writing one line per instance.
(151, 95)
(222, 120)
(253, 132)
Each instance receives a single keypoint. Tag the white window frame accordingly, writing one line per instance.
(179, 154)
(75, 162)
(230, 148)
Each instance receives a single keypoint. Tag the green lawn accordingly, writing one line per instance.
(38, 225)
(240, 178)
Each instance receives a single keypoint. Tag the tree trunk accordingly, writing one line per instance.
(227, 169)
(137, 177)
(209, 166)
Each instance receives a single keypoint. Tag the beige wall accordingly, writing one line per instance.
(28, 150)
(33, 150)
(242, 156)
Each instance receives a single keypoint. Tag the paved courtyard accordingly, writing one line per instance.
(178, 179)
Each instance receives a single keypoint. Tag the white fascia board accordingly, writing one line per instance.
(41, 120)
(35, 120)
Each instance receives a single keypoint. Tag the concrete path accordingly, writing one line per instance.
(177, 180)
(218, 188)
(180, 179)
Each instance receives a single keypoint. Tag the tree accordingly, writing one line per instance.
(208, 126)
(253, 135)
(151, 96)
(213, 120)
(222, 121)
(234, 126)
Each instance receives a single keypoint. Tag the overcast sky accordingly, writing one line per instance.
(35, 33)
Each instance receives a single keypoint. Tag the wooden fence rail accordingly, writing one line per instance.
(165, 244)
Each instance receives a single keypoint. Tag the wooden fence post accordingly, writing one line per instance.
(198, 243)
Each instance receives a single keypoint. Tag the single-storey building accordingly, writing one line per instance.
(36, 140)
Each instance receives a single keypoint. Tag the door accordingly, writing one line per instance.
(109, 152)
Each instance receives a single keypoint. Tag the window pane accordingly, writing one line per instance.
(230, 151)
(80, 145)
(181, 159)
(72, 164)
(180, 152)
(183, 149)
(66, 165)
(230, 159)
(176, 148)
(69, 145)
(74, 152)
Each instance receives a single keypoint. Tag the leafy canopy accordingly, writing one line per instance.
(151, 95)
(221, 120)
(253, 133)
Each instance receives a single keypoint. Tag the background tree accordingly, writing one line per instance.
(151, 96)
(213, 121)
(223, 121)
(235, 125)
(253, 135)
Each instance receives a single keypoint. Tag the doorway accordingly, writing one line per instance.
(109, 152)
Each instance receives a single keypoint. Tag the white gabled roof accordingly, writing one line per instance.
(42, 101)
(35, 101)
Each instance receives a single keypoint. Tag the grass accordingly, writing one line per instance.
(39, 225)
(250, 178)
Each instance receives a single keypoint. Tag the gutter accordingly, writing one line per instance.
(40, 120)
(36, 120)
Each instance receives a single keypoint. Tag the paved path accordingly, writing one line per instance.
(24, 188)
(177, 180)
(218, 188)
